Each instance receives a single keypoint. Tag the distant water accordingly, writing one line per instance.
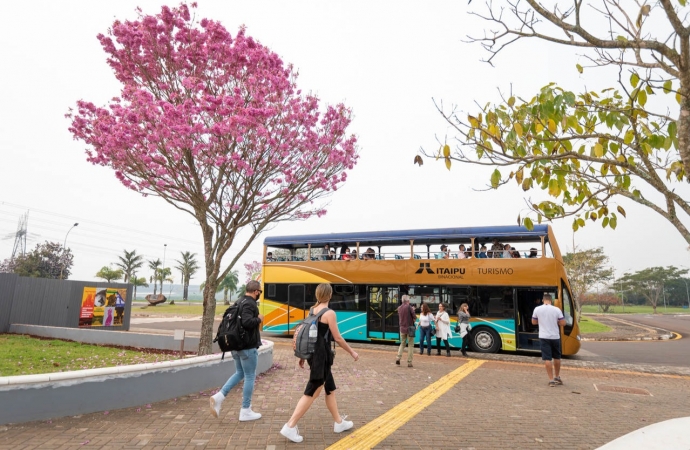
(193, 294)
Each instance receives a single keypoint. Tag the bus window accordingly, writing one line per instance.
(493, 301)
(567, 306)
(348, 297)
(431, 295)
(456, 296)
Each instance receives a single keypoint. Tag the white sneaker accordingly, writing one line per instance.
(344, 425)
(291, 433)
(216, 400)
(246, 414)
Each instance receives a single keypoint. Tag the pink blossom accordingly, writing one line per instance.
(214, 124)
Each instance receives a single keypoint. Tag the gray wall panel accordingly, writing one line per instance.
(41, 301)
(8, 282)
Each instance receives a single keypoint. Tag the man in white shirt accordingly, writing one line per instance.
(550, 319)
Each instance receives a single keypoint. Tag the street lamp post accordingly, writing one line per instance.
(165, 247)
(64, 247)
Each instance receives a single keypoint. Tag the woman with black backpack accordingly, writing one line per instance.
(320, 375)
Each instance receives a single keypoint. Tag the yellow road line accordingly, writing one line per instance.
(383, 426)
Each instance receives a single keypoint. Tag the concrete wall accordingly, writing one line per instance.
(45, 396)
(43, 301)
(104, 337)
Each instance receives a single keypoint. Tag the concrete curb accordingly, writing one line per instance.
(663, 337)
(47, 396)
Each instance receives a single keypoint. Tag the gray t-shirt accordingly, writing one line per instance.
(548, 317)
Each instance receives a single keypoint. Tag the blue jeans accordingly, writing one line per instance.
(245, 367)
(425, 335)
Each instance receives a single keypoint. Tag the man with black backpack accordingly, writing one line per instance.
(245, 359)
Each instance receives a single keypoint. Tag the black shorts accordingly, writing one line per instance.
(328, 384)
(550, 349)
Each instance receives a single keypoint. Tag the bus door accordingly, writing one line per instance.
(527, 300)
(382, 314)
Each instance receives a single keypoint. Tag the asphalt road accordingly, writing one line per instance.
(667, 353)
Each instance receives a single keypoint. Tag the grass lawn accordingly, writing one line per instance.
(589, 325)
(194, 309)
(638, 309)
(26, 355)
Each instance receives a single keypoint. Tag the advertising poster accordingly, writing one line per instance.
(102, 307)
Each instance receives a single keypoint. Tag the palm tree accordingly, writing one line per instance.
(171, 281)
(187, 267)
(154, 265)
(228, 286)
(130, 263)
(138, 282)
(109, 274)
(162, 275)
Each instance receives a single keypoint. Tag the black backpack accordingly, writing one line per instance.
(231, 335)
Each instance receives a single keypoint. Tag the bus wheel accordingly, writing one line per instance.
(485, 340)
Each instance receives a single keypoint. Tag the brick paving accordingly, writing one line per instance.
(504, 404)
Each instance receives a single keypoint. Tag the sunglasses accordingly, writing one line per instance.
(259, 291)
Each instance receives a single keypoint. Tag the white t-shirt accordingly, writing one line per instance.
(548, 317)
(425, 321)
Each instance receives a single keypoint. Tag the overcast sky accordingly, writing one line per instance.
(388, 61)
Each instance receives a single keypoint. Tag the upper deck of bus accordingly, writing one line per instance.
(404, 256)
(476, 236)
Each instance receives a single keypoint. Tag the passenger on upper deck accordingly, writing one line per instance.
(369, 254)
(269, 257)
(506, 252)
(353, 254)
(332, 254)
(444, 252)
(461, 252)
(482, 252)
(514, 253)
(344, 252)
(496, 250)
(326, 253)
(532, 253)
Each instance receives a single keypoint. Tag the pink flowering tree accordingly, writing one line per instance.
(216, 126)
(253, 270)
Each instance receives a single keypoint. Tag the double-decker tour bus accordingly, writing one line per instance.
(501, 272)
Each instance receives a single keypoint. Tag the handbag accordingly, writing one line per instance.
(457, 328)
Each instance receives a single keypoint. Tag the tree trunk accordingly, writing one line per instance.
(155, 287)
(185, 290)
(206, 340)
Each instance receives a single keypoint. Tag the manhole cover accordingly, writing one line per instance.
(621, 389)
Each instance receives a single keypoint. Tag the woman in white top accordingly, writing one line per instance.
(442, 329)
(461, 252)
(426, 321)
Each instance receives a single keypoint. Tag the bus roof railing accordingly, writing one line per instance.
(485, 235)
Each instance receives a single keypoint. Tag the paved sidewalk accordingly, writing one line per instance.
(499, 405)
